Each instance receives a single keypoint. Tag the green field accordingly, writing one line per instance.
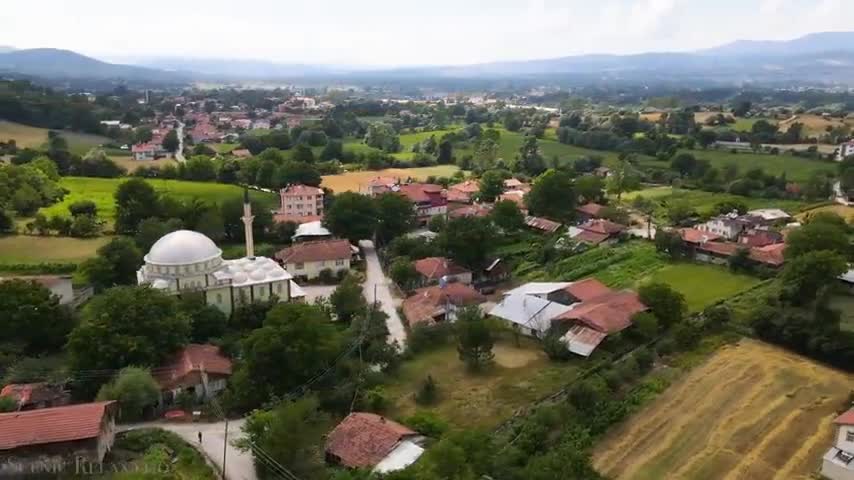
(704, 201)
(101, 190)
(795, 168)
(702, 285)
(29, 249)
(35, 137)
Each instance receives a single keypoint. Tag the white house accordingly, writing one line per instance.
(529, 314)
(838, 462)
(728, 226)
(845, 150)
(308, 259)
(200, 370)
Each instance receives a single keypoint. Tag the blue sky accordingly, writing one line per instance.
(405, 32)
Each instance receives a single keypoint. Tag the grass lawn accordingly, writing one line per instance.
(31, 249)
(796, 168)
(101, 190)
(35, 137)
(353, 181)
(704, 201)
(702, 285)
(225, 147)
(470, 400)
(751, 411)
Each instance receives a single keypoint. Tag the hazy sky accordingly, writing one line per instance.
(405, 32)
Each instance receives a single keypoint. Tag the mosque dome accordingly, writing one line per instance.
(182, 247)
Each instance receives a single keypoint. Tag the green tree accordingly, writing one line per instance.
(507, 216)
(116, 264)
(127, 326)
(403, 273)
(8, 404)
(83, 207)
(334, 150)
(382, 136)
(232, 212)
(290, 434)
(623, 179)
(590, 188)
(85, 226)
(468, 241)
(664, 302)
(552, 196)
(135, 390)
(151, 229)
(347, 299)
(646, 325)
(394, 216)
(206, 321)
(32, 316)
(302, 153)
(26, 201)
(136, 200)
(211, 225)
(351, 216)
(806, 276)
(530, 160)
(491, 185)
(486, 154)
(824, 234)
(171, 142)
(475, 339)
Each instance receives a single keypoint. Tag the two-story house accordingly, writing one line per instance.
(300, 203)
(838, 462)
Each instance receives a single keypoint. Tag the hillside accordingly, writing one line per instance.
(57, 63)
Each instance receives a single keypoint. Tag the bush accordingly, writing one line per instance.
(427, 423)
(375, 400)
(645, 359)
(326, 276)
(666, 346)
(612, 378)
(686, 336)
(628, 369)
(428, 393)
(555, 348)
(426, 337)
(8, 404)
(134, 389)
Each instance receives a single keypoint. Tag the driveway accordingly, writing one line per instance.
(313, 292)
(375, 280)
(238, 464)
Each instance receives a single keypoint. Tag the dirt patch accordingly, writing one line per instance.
(752, 411)
(510, 357)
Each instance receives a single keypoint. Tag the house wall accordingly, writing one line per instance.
(311, 270)
(64, 291)
(842, 441)
(301, 205)
(708, 258)
(834, 471)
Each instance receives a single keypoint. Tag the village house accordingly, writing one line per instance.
(844, 151)
(379, 185)
(241, 153)
(595, 232)
(56, 439)
(838, 462)
(731, 225)
(144, 151)
(426, 198)
(515, 196)
(479, 210)
(542, 224)
(589, 211)
(33, 396)
(199, 370)
(464, 192)
(433, 269)
(438, 304)
(308, 259)
(712, 248)
(372, 442)
(310, 231)
(300, 204)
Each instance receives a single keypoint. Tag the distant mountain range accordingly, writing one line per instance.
(816, 58)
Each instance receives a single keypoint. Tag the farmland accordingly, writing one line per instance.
(841, 210)
(702, 285)
(704, 202)
(353, 181)
(34, 137)
(752, 411)
(471, 400)
(131, 165)
(815, 124)
(101, 190)
(28, 249)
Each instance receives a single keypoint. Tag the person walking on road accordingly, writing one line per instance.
(200, 438)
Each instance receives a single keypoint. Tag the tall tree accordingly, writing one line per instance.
(664, 302)
(116, 264)
(805, 276)
(32, 316)
(395, 216)
(491, 185)
(475, 339)
(135, 390)
(347, 299)
(468, 241)
(351, 216)
(530, 160)
(136, 200)
(552, 196)
(507, 216)
(171, 142)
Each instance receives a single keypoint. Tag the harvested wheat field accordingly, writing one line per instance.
(751, 411)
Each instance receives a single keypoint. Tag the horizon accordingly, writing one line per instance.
(353, 36)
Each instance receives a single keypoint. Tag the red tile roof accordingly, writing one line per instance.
(469, 187)
(607, 313)
(241, 153)
(434, 268)
(30, 393)
(430, 302)
(760, 238)
(606, 227)
(513, 183)
(320, 250)
(846, 418)
(471, 211)
(692, 235)
(592, 238)
(383, 182)
(458, 196)
(515, 196)
(591, 209)
(543, 224)
(192, 359)
(299, 189)
(362, 440)
(720, 248)
(52, 425)
(769, 254)
(423, 193)
(143, 147)
(587, 289)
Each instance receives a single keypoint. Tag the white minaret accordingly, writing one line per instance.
(247, 224)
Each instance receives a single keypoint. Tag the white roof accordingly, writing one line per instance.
(296, 290)
(537, 288)
(770, 213)
(312, 229)
(403, 455)
(848, 276)
(182, 247)
(582, 340)
(573, 232)
(528, 311)
(250, 271)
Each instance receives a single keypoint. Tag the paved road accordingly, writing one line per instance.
(179, 155)
(313, 292)
(376, 278)
(238, 465)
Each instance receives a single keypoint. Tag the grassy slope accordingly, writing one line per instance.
(34, 137)
(101, 190)
(702, 285)
(28, 249)
(704, 201)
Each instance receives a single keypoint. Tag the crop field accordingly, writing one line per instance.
(841, 210)
(131, 165)
(519, 376)
(35, 137)
(751, 412)
(702, 285)
(705, 201)
(101, 191)
(354, 181)
(29, 249)
(815, 124)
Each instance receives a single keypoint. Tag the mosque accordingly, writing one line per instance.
(185, 261)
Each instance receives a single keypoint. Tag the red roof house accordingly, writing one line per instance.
(199, 369)
(363, 440)
(542, 224)
(31, 396)
(308, 259)
(604, 227)
(463, 192)
(476, 210)
(587, 289)
(436, 304)
(590, 210)
(846, 418)
(696, 237)
(432, 269)
(35, 436)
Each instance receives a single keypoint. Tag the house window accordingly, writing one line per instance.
(339, 262)
(849, 436)
(299, 266)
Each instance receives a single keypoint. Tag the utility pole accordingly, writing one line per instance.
(225, 449)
